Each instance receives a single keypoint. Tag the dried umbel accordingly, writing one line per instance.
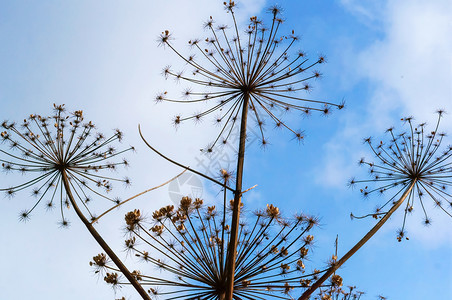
(246, 69)
(45, 147)
(413, 161)
(413, 166)
(339, 293)
(189, 245)
(99, 261)
(68, 159)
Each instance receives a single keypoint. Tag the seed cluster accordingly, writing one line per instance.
(189, 243)
(253, 70)
(45, 147)
(414, 157)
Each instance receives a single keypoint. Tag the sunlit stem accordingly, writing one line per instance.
(355, 248)
(230, 263)
(101, 241)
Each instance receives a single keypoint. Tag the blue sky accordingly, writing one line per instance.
(387, 60)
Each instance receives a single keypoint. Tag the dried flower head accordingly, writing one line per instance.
(190, 245)
(412, 163)
(246, 70)
(339, 293)
(112, 278)
(100, 263)
(47, 147)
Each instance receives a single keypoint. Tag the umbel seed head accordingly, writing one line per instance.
(190, 243)
(254, 71)
(47, 148)
(415, 157)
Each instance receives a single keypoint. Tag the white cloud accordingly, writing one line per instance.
(412, 63)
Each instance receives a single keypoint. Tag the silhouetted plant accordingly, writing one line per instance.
(66, 157)
(246, 73)
(412, 165)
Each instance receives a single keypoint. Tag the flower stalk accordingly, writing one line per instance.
(100, 240)
(237, 201)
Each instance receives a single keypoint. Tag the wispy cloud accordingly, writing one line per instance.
(412, 63)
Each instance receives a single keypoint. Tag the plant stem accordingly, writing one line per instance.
(355, 248)
(101, 241)
(230, 263)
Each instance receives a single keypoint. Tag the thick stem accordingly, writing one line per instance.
(222, 296)
(358, 245)
(230, 263)
(101, 241)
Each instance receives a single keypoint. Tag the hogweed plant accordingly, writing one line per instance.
(188, 245)
(415, 167)
(205, 252)
(242, 73)
(65, 159)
